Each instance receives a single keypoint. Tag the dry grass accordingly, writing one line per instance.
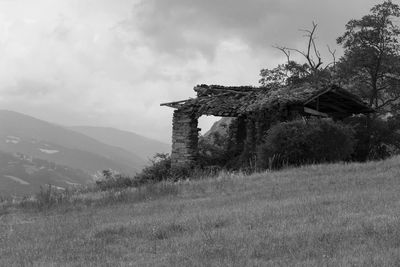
(324, 215)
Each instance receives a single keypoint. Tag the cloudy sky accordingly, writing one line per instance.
(112, 62)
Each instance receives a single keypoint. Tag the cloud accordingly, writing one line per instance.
(112, 62)
(187, 27)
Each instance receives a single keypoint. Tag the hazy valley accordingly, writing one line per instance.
(83, 151)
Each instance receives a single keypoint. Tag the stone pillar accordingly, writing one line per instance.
(185, 136)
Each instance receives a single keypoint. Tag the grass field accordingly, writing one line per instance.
(323, 215)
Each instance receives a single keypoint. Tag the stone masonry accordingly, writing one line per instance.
(258, 109)
(185, 135)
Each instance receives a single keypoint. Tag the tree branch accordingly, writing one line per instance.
(284, 50)
(311, 47)
(384, 103)
(333, 55)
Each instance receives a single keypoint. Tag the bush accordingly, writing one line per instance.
(376, 138)
(114, 181)
(305, 141)
(212, 150)
(159, 170)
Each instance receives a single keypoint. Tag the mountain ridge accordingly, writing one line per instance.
(26, 134)
(144, 146)
(35, 152)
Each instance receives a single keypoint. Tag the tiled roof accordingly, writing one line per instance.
(233, 101)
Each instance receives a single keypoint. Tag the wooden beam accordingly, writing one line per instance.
(340, 103)
(349, 96)
(316, 96)
(175, 103)
(315, 112)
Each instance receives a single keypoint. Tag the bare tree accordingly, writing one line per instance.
(293, 72)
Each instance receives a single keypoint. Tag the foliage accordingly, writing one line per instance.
(305, 141)
(48, 196)
(370, 68)
(375, 139)
(290, 73)
(371, 62)
(213, 150)
(293, 73)
(159, 170)
(114, 181)
(225, 151)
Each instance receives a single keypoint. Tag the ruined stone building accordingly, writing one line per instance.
(256, 109)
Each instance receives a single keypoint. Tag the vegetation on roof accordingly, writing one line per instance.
(236, 100)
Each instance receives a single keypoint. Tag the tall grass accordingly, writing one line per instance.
(317, 215)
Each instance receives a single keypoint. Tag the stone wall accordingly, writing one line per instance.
(185, 135)
(249, 133)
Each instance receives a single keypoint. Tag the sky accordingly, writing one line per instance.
(112, 62)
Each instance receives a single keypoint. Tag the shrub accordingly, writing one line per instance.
(376, 138)
(212, 150)
(305, 141)
(226, 150)
(159, 170)
(114, 181)
(47, 196)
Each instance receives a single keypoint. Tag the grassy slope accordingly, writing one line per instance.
(311, 216)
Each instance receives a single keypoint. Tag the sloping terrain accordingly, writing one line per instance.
(319, 215)
(23, 175)
(24, 134)
(221, 127)
(132, 142)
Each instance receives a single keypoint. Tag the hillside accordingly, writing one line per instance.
(321, 215)
(20, 133)
(21, 175)
(221, 127)
(132, 142)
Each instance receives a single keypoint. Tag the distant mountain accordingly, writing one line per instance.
(23, 175)
(220, 127)
(20, 133)
(132, 142)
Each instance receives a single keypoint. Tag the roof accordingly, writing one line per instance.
(236, 100)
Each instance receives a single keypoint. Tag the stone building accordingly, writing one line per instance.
(256, 109)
